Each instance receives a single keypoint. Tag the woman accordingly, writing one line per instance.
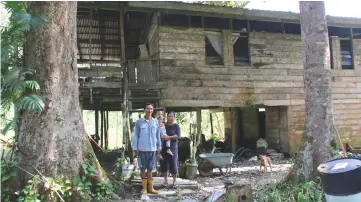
(169, 163)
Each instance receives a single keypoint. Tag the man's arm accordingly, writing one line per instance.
(135, 137)
(159, 141)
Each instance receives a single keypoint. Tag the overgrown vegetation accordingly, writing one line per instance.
(304, 192)
(40, 188)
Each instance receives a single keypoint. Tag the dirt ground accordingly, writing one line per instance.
(245, 172)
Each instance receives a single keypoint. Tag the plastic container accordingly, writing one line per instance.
(341, 180)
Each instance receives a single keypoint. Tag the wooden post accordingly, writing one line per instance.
(211, 121)
(96, 122)
(101, 128)
(106, 126)
(199, 124)
(125, 81)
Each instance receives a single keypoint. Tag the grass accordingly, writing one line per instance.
(289, 192)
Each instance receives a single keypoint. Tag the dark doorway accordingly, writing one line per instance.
(262, 122)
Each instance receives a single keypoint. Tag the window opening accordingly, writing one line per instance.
(175, 20)
(291, 28)
(196, 21)
(214, 48)
(263, 26)
(240, 49)
(346, 54)
(216, 23)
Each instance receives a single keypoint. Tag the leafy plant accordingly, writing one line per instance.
(304, 192)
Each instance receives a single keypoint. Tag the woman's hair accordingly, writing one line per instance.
(171, 112)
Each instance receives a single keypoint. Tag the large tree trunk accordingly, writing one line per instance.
(319, 139)
(54, 141)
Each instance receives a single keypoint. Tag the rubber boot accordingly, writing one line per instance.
(144, 187)
(151, 187)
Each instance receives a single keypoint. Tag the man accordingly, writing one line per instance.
(146, 144)
(162, 131)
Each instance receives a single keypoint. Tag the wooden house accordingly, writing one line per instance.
(190, 56)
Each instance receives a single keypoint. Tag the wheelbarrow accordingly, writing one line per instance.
(217, 160)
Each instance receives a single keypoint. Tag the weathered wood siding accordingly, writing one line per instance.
(277, 128)
(273, 78)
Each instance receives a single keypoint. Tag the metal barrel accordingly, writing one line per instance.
(341, 180)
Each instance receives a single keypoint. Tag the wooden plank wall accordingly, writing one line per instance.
(277, 128)
(274, 77)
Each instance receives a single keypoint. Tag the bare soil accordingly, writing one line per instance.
(245, 172)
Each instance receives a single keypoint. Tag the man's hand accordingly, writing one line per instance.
(136, 153)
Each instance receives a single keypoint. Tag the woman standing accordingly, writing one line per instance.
(169, 163)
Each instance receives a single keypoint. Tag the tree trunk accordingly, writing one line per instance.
(54, 141)
(319, 139)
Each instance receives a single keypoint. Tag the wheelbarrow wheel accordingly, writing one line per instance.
(205, 168)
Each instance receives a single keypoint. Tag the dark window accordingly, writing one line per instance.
(346, 54)
(216, 23)
(356, 33)
(214, 49)
(263, 26)
(339, 31)
(196, 21)
(240, 49)
(291, 28)
(175, 20)
(239, 24)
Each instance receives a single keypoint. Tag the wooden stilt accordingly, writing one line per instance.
(211, 121)
(101, 128)
(106, 129)
(97, 123)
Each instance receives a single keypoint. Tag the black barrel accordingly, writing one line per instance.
(341, 179)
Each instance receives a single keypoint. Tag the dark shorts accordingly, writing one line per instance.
(147, 160)
(169, 162)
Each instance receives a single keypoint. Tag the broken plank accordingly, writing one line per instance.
(170, 181)
(173, 193)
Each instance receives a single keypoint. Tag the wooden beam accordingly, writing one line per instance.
(79, 50)
(106, 129)
(97, 122)
(102, 37)
(211, 121)
(100, 72)
(101, 128)
(227, 12)
(99, 61)
(99, 41)
(101, 5)
(126, 134)
(199, 124)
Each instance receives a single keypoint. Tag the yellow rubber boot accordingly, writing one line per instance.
(151, 187)
(144, 186)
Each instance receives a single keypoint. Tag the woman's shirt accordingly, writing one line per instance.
(172, 130)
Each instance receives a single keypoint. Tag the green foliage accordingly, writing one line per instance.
(118, 168)
(38, 189)
(233, 4)
(304, 192)
(18, 87)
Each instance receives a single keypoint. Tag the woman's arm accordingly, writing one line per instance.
(177, 133)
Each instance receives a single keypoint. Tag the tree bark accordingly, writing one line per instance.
(319, 139)
(54, 141)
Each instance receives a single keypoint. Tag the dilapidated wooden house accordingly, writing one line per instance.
(189, 56)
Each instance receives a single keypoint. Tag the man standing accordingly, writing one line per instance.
(146, 143)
